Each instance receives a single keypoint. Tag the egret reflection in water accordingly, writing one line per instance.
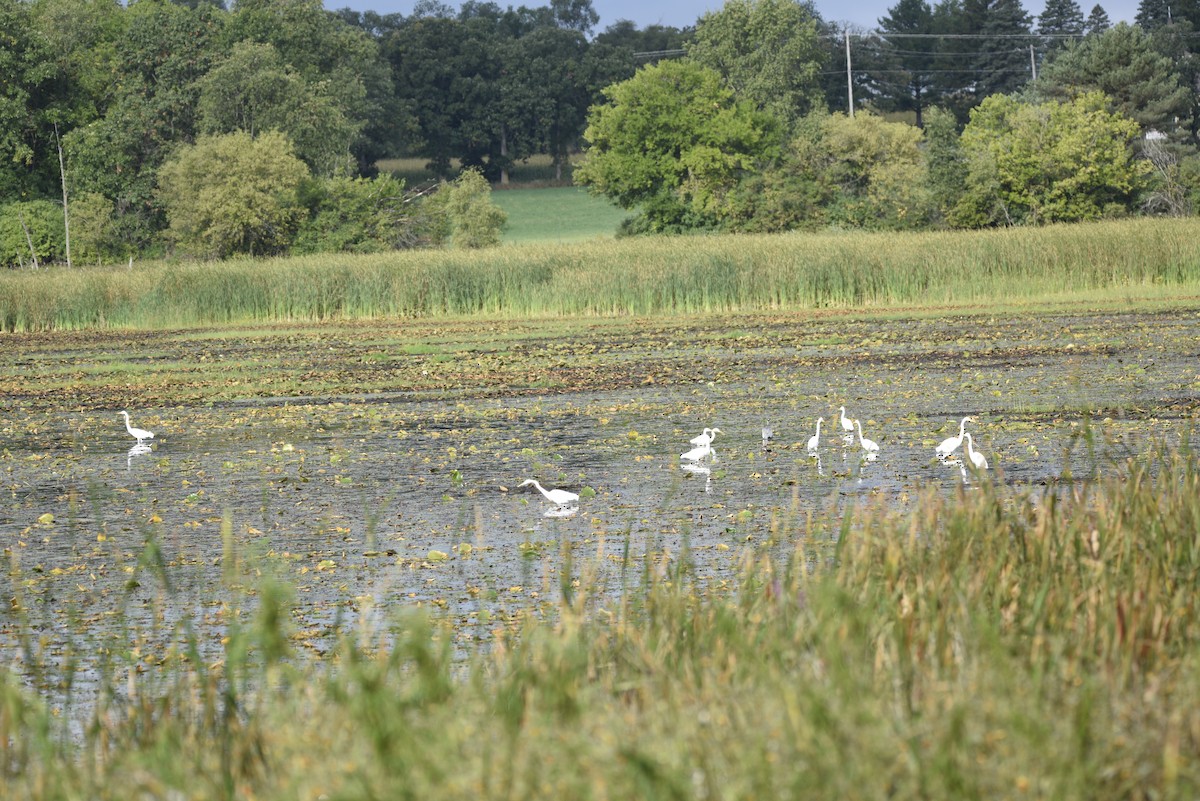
(700, 470)
(139, 449)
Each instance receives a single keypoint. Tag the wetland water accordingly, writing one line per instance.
(376, 467)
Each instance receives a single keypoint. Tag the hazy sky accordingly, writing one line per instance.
(679, 13)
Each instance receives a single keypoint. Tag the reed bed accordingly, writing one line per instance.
(680, 275)
(998, 644)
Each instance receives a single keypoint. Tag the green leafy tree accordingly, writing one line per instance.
(1049, 162)
(467, 216)
(944, 160)
(673, 141)
(873, 173)
(340, 62)
(1122, 62)
(31, 233)
(91, 228)
(233, 194)
(254, 91)
(166, 49)
(766, 51)
(356, 215)
(27, 76)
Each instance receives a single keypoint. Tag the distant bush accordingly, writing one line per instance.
(357, 215)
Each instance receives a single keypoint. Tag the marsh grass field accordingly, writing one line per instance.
(322, 579)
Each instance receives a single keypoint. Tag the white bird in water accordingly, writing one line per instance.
(814, 441)
(977, 459)
(868, 445)
(950, 444)
(698, 453)
(767, 434)
(705, 438)
(555, 496)
(847, 425)
(137, 433)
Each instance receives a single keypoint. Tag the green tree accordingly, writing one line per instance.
(166, 49)
(904, 76)
(254, 91)
(1004, 56)
(1122, 62)
(673, 141)
(233, 194)
(91, 228)
(468, 217)
(31, 233)
(1049, 162)
(1097, 21)
(944, 160)
(1060, 19)
(873, 173)
(766, 51)
(356, 215)
(27, 74)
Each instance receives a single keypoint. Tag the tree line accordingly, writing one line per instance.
(194, 128)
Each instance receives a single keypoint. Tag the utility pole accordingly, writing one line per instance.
(1032, 63)
(849, 80)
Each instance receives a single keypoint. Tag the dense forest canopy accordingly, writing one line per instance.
(109, 112)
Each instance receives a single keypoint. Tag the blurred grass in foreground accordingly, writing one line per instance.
(681, 275)
(998, 644)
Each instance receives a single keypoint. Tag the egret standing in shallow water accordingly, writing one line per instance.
(555, 496)
(868, 445)
(814, 441)
(698, 453)
(977, 459)
(139, 434)
(950, 444)
(705, 437)
(847, 425)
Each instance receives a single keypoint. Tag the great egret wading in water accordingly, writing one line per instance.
(977, 459)
(556, 496)
(137, 433)
(847, 424)
(814, 441)
(950, 444)
(868, 445)
(705, 438)
(698, 453)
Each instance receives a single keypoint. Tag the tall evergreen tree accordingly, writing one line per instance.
(1097, 21)
(904, 77)
(1060, 19)
(1153, 14)
(1004, 56)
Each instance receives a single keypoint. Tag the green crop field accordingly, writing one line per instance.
(558, 214)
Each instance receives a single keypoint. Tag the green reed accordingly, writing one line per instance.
(680, 275)
(1000, 643)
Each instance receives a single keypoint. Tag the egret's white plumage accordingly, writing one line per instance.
(847, 424)
(698, 453)
(977, 459)
(137, 433)
(868, 445)
(950, 444)
(557, 496)
(814, 441)
(705, 437)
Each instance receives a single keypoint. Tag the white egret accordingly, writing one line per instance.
(868, 445)
(847, 425)
(814, 441)
(555, 496)
(137, 433)
(698, 453)
(977, 459)
(767, 434)
(950, 444)
(705, 438)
